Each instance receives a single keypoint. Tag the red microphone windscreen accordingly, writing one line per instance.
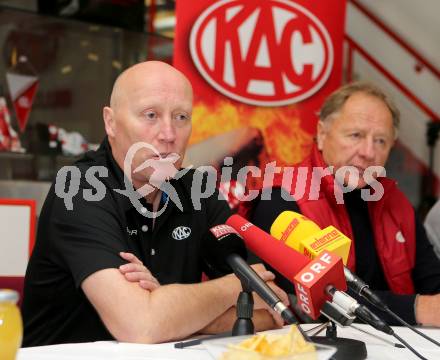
(282, 258)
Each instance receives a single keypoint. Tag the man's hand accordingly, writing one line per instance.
(428, 310)
(264, 317)
(135, 271)
(268, 277)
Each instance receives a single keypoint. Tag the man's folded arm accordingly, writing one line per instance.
(132, 314)
(262, 318)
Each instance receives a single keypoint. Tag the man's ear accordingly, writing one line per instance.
(321, 132)
(109, 121)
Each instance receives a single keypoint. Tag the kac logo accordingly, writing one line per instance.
(181, 232)
(264, 53)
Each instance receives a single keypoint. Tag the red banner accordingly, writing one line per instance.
(260, 71)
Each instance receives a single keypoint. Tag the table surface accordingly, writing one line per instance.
(379, 346)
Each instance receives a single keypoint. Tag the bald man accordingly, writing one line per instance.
(115, 258)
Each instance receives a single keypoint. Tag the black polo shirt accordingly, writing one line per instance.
(73, 244)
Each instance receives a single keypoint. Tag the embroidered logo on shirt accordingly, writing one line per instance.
(131, 232)
(400, 238)
(181, 232)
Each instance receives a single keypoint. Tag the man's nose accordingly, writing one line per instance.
(367, 150)
(167, 131)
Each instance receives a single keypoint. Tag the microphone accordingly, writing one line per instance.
(361, 288)
(310, 278)
(313, 280)
(310, 281)
(304, 235)
(292, 228)
(314, 285)
(225, 250)
(341, 302)
(352, 307)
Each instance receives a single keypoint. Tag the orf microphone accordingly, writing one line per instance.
(310, 278)
(268, 248)
(222, 245)
(313, 280)
(319, 281)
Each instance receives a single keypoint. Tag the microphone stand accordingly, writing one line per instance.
(245, 309)
(242, 326)
(347, 349)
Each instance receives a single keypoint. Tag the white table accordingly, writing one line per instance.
(377, 346)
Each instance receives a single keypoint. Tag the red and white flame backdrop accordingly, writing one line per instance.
(261, 66)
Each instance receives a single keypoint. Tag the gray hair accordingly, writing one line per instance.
(336, 101)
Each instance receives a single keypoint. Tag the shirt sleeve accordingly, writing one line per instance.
(402, 305)
(432, 227)
(87, 238)
(426, 272)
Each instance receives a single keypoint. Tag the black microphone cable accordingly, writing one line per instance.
(370, 318)
(367, 316)
(361, 288)
(402, 341)
(391, 343)
(409, 326)
(409, 347)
